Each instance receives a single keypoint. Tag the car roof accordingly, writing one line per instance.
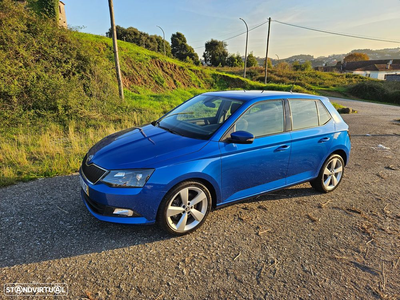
(259, 94)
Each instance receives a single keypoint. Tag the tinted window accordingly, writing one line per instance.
(323, 113)
(262, 119)
(304, 114)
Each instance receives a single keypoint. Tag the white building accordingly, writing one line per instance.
(377, 69)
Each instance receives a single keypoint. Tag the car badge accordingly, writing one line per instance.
(89, 159)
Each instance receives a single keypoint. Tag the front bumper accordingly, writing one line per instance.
(103, 213)
(101, 200)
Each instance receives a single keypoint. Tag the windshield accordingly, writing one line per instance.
(199, 117)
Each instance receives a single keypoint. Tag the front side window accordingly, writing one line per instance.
(200, 117)
(262, 119)
(304, 114)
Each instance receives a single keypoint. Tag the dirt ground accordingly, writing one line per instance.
(291, 244)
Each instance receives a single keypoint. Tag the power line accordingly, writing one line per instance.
(312, 29)
(235, 36)
(336, 33)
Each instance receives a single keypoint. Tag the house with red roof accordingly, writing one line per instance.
(378, 69)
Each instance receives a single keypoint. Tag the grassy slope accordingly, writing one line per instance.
(58, 93)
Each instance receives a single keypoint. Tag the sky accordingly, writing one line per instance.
(201, 21)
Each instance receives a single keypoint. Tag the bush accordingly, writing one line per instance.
(48, 70)
(377, 90)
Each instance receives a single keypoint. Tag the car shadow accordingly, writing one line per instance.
(297, 191)
(46, 219)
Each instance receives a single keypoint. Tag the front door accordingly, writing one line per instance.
(250, 169)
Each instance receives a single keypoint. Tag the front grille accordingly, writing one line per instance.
(92, 172)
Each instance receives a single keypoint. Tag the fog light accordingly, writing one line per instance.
(123, 212)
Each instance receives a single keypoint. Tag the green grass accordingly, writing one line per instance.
(58, 92)
(309, 80)
(47, 148)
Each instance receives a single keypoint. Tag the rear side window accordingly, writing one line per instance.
(323, 113)
(304, 114)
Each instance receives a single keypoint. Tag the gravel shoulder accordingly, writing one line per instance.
(290, 244)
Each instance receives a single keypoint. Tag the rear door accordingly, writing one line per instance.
(312, 136)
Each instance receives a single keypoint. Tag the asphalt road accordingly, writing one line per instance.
(291, 244)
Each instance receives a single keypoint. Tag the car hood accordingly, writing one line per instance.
(132, 148)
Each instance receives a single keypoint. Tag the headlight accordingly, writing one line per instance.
(128, 178)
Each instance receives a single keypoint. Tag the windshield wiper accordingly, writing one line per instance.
(144, 134)
(168, 129)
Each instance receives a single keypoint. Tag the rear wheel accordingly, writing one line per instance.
(330, 175)
(184, 208)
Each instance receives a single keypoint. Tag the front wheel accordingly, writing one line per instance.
(330, 175)
(184, 208)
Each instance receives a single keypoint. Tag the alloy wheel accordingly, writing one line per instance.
(333, 173)
(186, 209)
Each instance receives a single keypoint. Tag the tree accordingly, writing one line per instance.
(356, 56)
(48, 8)
(142, 39)
(296, 66)
(132, 35)
(234, 60)
(269, 64)
(160, 46)
(283, 66)
(306, 66)
(216, 53)
(181, 50)
(251, 60)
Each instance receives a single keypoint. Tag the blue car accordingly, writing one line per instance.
(214, 149)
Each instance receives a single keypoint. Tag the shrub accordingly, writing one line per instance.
(377, 90)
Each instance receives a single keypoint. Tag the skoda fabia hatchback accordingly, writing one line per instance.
(214, 149)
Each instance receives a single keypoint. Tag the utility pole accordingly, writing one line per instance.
(116, 58)
(245, 51)
(266, 52)
(163, 36)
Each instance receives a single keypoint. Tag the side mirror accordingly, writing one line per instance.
(241, 137)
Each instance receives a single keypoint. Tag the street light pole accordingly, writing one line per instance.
(266, 52)
(163, 36)
(116, 58)
(245, 51)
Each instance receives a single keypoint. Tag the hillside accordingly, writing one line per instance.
(58, 92)
(331, 60)
(59, 95)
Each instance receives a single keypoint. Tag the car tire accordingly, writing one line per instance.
(184, 208)
(330, 175)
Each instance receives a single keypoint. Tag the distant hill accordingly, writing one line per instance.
(331, 60)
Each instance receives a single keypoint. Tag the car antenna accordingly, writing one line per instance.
(262, 91)
(291, 89)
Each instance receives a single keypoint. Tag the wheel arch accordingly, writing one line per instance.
(210, 188)
(207, 183)
(342, 153)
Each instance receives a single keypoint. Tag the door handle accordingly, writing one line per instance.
(324, 140)
(282, 148)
